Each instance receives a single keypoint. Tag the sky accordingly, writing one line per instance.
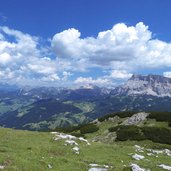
(80, 42)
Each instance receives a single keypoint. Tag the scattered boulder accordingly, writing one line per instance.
(97, 167)
(138, 157)
(167, 152)
(139, 148)
(165, 166)
(2, 167)
(84, 140)
(69, 140)
(135, 167)
(49, 166)
(76, 149)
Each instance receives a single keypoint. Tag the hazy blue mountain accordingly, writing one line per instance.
(46, 107)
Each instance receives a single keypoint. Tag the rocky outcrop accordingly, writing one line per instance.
(136, 118)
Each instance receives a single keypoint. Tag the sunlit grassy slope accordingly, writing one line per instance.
(37, 151)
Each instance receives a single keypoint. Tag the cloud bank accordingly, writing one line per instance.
(118, 52)
(21, 60)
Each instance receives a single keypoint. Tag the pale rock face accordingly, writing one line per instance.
(136, 118)
(154, 85)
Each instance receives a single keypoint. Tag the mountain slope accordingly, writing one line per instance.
(26, 150)
(22, 108)
(43, 112)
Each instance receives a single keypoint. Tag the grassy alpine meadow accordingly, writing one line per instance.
(34, 151)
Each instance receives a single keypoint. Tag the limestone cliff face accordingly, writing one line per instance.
(154, 85)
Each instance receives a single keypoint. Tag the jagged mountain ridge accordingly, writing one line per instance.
(81, 93)
(154, 85)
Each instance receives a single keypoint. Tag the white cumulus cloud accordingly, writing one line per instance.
(120, 74)
(167, 74)
(26, 62)
(5, 58)
(90, 80)
(119, 52)
(122, 46)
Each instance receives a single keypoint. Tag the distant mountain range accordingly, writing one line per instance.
(92, 92)
(49, 107)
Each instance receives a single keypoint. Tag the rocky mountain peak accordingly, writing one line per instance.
(155, 85)
(150, 78)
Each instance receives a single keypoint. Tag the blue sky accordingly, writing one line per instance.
(75, 42)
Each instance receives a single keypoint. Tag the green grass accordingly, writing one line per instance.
(153, 122)
(33, 151)
(85, 107)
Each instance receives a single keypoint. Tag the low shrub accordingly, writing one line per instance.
(160, 116)
(89, 128)
(103, 118)
(113, 129)
(78, 134)
(130, 132)
(128, 168)
(66, 129)
(69, 129)
(125, 114)
(169, 124)
(119, 122)
(157, 134)
(119, 114)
